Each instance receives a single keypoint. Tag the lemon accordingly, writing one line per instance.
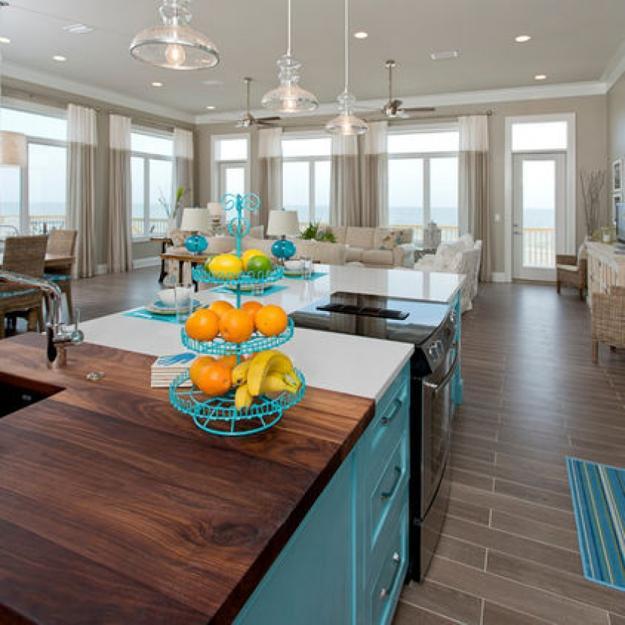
(226, 266)
(249, 254)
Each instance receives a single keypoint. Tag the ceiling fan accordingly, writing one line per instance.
(248, 120)
(393, 108)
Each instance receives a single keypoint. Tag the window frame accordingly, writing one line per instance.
(147, 157)
(45, 111)
(310, 160)
(425, 157)
(217, 174)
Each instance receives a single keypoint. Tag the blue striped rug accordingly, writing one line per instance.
(598, 493)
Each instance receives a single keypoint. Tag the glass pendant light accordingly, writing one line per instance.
(174, 44)
(346, 123)
(13, 146)
(289, 97)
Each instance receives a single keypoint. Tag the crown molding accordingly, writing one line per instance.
(12, 70)
(487, 96)
(615, 68)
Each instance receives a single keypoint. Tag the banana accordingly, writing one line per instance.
(277, 383)
(242, 397)
(239, 373)
(270, 360)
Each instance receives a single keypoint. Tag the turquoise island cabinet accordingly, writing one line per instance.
(346, 563)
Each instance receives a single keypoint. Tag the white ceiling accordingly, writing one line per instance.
(573, 40)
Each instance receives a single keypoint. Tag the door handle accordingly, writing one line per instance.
(386, 591)
(387, 418)
(389, 493)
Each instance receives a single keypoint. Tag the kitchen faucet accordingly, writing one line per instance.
(59, 335)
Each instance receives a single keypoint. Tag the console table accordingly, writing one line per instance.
(605, 268)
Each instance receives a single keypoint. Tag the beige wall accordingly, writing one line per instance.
(592, 149)
(44, 95)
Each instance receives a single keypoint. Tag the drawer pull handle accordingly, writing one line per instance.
(389, 493)
(386, 592)
(397, 404)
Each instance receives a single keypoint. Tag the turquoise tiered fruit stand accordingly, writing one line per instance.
(218, 415)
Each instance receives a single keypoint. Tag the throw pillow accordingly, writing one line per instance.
(390, 239)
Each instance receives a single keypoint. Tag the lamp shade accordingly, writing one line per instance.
(282, 223)
(215, 209)
(13, 149)
(195, 220)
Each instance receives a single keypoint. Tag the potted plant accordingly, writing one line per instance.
(172, 211)
(314, 232)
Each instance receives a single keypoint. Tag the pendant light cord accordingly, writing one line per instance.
(346, 46)
(288, 29)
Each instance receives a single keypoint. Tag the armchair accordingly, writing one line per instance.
(571, 271)
(608, 320)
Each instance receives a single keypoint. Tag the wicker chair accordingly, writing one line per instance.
(608, 320)
(572, 271)
(62, 243)
(25, 255)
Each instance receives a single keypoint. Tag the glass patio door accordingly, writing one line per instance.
(539, 214)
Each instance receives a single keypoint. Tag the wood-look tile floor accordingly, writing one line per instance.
(509, 553)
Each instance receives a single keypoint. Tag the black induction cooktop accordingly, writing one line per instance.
(375, 316)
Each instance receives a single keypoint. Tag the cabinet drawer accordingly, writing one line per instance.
(386, 491)
(391, 419)
(390, 571)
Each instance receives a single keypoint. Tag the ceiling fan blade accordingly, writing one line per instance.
(419, 109)
(268, 119)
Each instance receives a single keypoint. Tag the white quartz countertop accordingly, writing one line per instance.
(338, 362)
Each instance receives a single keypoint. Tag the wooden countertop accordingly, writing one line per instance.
(116, 509)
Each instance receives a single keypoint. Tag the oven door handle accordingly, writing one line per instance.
(450, 374)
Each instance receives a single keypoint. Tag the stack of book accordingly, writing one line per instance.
(166, 368)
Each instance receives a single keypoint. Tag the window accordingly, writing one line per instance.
(306, 177)
(33, 200)
(537, 136)
(423, 180)
(151, 172)
(231, 157)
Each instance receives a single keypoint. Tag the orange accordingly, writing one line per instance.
(271, 320)
(198, 365)
(228, 361)
(236, 326)
(251, 308)
(220, 307)
(202, 325)
(213, 379)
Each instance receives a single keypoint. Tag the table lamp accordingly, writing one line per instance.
(195, 220)
(282, 223)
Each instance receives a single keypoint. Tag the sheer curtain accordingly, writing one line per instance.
(269, 172)
(82, 141)
(374, 176)
(120, 195)
(473, 184)
(183, 166)
(345, 189)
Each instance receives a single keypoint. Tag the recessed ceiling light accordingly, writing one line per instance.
(361, 34)
(540, 77)
(77, 29)
(156, 83)
(59, 58)
(5, 40)
(210, 107)
(445, 55)
(522, 38)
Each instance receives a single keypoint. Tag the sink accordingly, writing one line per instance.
(17, 393)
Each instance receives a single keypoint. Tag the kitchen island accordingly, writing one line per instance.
(116, 509)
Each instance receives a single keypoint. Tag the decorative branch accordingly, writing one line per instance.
(592, 183)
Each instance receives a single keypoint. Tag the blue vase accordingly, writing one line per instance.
(283, 249)
(196, 243)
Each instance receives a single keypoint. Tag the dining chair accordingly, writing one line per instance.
(25, 255)
(62, 243)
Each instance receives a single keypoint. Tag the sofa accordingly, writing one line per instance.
(376, 247)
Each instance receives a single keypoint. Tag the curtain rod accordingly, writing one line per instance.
(19, 94)
(488, 113)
